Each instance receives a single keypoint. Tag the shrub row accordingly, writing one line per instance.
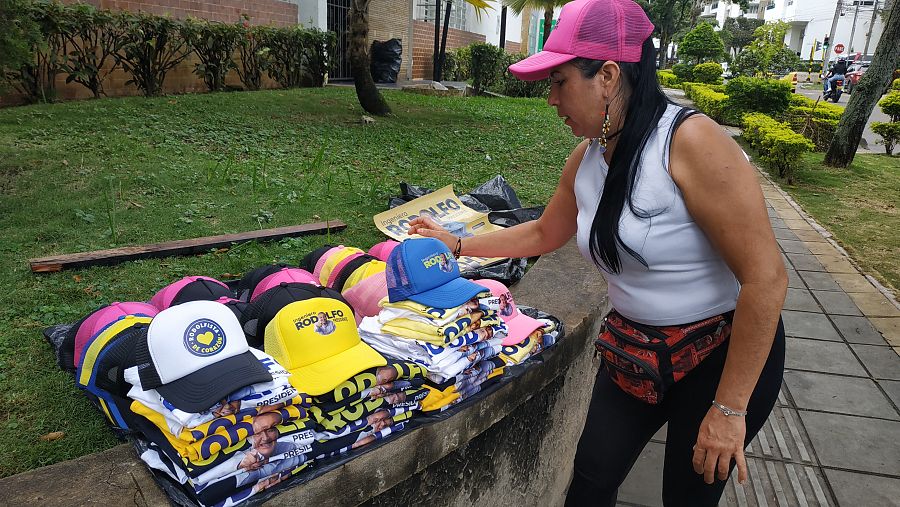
(777, 143)
(668, 79)
(87, 44)
(890, 131)
(486, 65)
(711, 102)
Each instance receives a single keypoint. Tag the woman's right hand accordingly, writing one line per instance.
(428, 227)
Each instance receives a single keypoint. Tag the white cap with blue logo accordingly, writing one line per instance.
(196, 354)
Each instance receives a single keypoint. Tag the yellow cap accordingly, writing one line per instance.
(333, 261)
(317, 341)
(365, 271)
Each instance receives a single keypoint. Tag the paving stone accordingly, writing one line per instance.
(809, 325)
(874, 304)
(819, 280)
(643, 486)
(778, 223)
(861, 489)
(836, 264)
(789, 214)
(794, 280)
(772, 213)
(785, 234)
(801, 300)
(821, 248)
(794, 246)
(889, 327)
(855, 443)
(797, 225)
(881, 362)
(816, 355)
(836, 303)
(892, 388)
(857, 330)
(854, 282)
(805, 262)
(834, 393)
(810, 235)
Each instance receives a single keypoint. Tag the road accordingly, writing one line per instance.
(868, 141)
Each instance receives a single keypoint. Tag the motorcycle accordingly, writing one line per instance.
(834, 92)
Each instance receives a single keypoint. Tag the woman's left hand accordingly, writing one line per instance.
(720, 440)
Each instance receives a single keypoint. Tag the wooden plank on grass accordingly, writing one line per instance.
(179, 247)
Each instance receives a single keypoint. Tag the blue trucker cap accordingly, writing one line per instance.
(424, 270)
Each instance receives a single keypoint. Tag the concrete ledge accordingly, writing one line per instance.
(523, 435)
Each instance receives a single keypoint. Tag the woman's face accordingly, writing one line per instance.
(577, 99)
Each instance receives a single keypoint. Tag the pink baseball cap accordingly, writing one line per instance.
(284, 275)
(365, 295)
(519, 326)
(339, 266)
(382, 251)
(96, 322)
(596, 29)
(321, 262)
(189, 288)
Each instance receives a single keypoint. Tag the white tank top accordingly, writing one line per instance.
(685, 279)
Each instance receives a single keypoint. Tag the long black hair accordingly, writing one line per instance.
(646, 106)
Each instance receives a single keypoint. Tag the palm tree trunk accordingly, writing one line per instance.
(866, 94)
(369, 97)
(548, 23)
(443, 52)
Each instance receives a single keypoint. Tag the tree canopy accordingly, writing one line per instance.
(702, 43)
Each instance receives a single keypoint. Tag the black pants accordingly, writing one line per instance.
(618, 427)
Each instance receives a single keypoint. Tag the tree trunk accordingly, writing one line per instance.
(548, 23)
(443, 53)
(663, 50)
(369, 97)
(866, 94)
(503, 27)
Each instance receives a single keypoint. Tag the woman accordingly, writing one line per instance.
(670, 210)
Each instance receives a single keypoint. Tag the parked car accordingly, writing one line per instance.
(854, 72)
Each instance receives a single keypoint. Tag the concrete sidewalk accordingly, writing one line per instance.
(834, 435)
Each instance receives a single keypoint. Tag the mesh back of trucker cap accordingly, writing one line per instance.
(398, 283)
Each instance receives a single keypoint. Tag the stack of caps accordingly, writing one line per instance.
(197, 288)
(525, 336)
(358, 397)
(358, 276)
(215, 409)
(435, 318)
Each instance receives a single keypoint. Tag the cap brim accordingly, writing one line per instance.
(450, 295)
(539, 65)
(323, 376)
(208, 385)
(520, 327)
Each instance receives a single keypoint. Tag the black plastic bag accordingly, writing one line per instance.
(386, 59)
(497, 198)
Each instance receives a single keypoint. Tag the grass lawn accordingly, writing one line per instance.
(105, 173)
(860, 206)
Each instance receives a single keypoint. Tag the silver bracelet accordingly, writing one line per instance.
(728, 411)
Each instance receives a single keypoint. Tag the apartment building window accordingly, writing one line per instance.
(770, 6)
(713, 6)
(753, 9)
(425, 12)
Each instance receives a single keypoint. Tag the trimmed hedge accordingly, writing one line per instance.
(890, 104)
(710, 102)
(750, 94)
(777, 143)
(684, 71)
(668, 79)
(889, 132)
(895, 84)
(817, 122)
(709, 72)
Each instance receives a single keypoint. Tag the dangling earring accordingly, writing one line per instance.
(602, 140)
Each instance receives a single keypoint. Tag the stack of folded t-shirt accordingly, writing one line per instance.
(437, 319)
(224, 419)
(358, 397)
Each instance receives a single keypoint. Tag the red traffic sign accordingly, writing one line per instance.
(839, 48)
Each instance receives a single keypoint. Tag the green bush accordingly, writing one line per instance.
(299, 56)
(757, 95)
(895, 84)
(800, 100)
(683, 71)
(777, 143)
(668, 79)
(817, 122)
(214, 44)
(711, 103)
(890, 104)
(709, 72)
(513, 87)
(19, 35)
(889, 132)
(253, 46)
(93, 36)
(36, 77)
(462, 64)
(152, 46)
(487, 66)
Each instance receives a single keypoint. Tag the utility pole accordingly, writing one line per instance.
(827, 55)
(853, 28)
(503, 27)
(871, 27)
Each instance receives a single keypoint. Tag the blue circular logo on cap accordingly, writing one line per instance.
(204, 338)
